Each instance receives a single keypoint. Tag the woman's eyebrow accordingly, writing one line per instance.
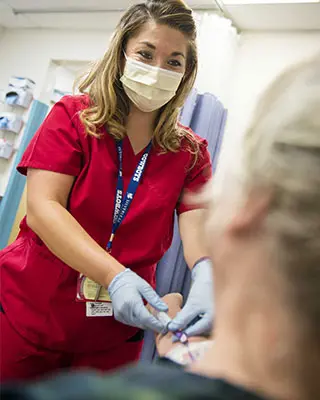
(153, 47)
(148, 44)
(178, 53)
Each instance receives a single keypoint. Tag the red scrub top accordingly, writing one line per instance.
(39, 290)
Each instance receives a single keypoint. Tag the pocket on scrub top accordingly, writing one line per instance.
(31, 274)
(45, 271)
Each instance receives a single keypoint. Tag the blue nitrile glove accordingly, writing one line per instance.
(127, 291)
(199, 302)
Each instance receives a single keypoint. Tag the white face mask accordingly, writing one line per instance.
(148, 87)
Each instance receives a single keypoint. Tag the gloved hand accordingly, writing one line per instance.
(127, 291)
(199, 302)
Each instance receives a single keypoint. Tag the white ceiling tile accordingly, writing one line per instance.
(9, 20)
(276, 16)
(105, 21)
(70, 4)
(89, 5)
(246, 17)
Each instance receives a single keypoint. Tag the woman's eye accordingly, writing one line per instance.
(175, 63)
(146, 55)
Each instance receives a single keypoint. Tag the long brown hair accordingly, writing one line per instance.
(109, 105)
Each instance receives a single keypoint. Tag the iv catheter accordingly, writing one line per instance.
(180, 335)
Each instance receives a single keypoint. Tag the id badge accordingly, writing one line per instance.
(88, 290)
(98, 309)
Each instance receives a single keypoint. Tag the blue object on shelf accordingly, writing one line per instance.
(10, 122)
(12, 98)
(12, 197)
(4, 122)
(19, 97)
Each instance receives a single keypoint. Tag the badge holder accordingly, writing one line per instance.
(95, 296)
(88, 290)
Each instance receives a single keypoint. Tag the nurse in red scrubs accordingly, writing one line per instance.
(105, 173)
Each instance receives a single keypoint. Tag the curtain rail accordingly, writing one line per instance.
(225, 13)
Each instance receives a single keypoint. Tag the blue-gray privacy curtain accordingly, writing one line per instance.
(206, 116)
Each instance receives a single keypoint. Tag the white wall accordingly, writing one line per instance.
(2, 30)
(29, 51)
(260, 58)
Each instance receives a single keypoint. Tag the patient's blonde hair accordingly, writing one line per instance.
(282, 154)
(282, 158)
(109, 103)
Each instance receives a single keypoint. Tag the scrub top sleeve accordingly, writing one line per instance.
(197, 177)
(56, 146)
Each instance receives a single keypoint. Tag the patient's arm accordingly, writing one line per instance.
(164, 342)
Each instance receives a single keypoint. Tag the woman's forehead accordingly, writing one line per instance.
(161, 37)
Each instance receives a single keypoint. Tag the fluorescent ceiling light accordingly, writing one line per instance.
(248, 2)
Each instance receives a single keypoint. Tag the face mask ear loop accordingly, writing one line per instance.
(126, 57)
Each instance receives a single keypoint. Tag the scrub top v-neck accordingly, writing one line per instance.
(39, 290)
